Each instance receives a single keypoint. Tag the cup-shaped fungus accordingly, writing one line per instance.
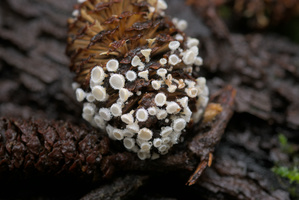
(134, 69)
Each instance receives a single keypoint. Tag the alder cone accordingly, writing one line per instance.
(135, 73)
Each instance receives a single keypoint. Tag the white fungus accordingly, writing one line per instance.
(142, 115)
(161, 5)
(161, 114)
(99, 93)
(152, 111)
(179, 124)
(162, 72)
(163, 61)
(124, 94)
(105, 114)
(160, 99)
(143, 155)
(131, 75)
(191, 92)
(89, 108)
(136, 62)
(75, 13)
(146, 146)
(128, 133)
(127, 118)
(145, 134)
(198, 61)
(174, 59)
(183, 101)
(97, 74)
(182, 25)
(166, 140)
(194, 50)
(191, 42)
(163, 148)
(172, 88)
(118, 134)
(157, 142)
(189, 57)
(146, 53)
(87, 117)
(179, 37)
(133, 127)
(80, 94)
(143, 74)
(129, 143)
(166, 131)
(155, 156)
(156, 84)
(117, 81)
(116, 110)
(173, 108)
(109, 130)
(90, 98)
(75, 85)
(112, 65)
(174, 45)
(99, 121)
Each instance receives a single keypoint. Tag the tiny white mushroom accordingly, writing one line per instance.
(138, 93)
(99, 93)
(117, 81)
(146, 147)
(80, 94)
(183, 101)
(166, 131)
(172, 107)
(191, 92)
(90, 98)
(146, 53)
(136, 61)
(128, 133)
(105, 114)
(75, 13)
(182, 25)
(144, 74)
(97, 74)
(89, 108)
(191, 42)
(162, 72)
(161, 114)
(174, 45)
(133, 128)
(112, 65)
(156, 84)
(109, 130)
(179, 37)
(131, 75)
(198, 61)
(129, 143)
(194, 50)
(179, 124)
(189, 57)
(75, 85)
(99, 121)
(142, 115)
(172, 88)
(116, 110)
(87, 117)
(124, 94)
(163, 61)
(174, 59)
(81, 1)
(161, 5)
(166, 140)
(143, 155)
(160, 99)
(152, 111)
(163, 148)
(157, 142)
(127, 118)
(118, 134)
(145, 134)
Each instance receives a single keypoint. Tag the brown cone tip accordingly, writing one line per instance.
(134, 73)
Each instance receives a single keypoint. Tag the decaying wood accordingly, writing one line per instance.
(35, 87)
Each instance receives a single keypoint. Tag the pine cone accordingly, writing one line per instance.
(134, 73)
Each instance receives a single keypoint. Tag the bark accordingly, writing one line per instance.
(43, 140)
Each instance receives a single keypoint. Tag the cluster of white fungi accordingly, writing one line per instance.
(176, 112)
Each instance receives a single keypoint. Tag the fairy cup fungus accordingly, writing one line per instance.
(134, 73)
